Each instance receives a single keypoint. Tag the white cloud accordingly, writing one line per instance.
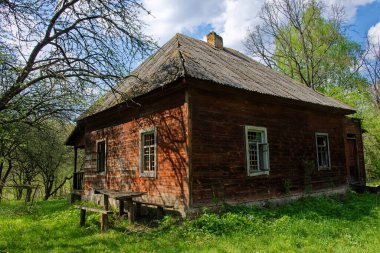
(172, 16)
(350, 6)
(374, 34)
(238, 16)
(229, 18)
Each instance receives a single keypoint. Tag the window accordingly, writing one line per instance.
(148, 153)
(323, 151)
(257, 150)
(101, 156)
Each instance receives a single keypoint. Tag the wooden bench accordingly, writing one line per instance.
(122, 197)
(103, 216)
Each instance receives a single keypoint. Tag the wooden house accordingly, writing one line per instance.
(199, 123)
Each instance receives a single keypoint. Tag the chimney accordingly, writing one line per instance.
(215, 40)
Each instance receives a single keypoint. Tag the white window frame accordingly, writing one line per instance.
(264, 140)
(105, 156)
(141, 154)
(328, 151)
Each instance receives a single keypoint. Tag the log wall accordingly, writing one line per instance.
(219, 170)
(121, 130)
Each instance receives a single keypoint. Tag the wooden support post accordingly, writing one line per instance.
(75, 159)
(160, 212)
(82, 217)
(104, 222)
(106, 202)
(121, 207)
(138, 210)
(131, 214)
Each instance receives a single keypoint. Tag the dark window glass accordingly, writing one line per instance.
(101, 156)
(323, 154)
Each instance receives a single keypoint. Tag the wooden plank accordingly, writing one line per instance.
(96, 210)
(106, 202)
(104, 222)
(131, 214)
(152, 204)
(82, 217)
(160, 212)
(138, 209)
(118, 194)
(121, 208)
(125, 196)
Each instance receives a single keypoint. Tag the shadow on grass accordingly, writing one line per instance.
(350, 207)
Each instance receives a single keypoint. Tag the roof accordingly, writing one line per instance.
(183, 56)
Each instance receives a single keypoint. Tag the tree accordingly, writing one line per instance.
(43, 158)
(11, 138)
(307, 46)
(372, 69)
(24, 172)
(299, 39)
(371, 114)
(55, 52)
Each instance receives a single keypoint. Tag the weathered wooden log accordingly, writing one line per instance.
(82, 217)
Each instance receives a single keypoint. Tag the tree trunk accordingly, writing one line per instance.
(49, 190)
(19, 193)
(28, 195)
(2, 180)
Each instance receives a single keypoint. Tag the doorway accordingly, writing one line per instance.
(352, 159)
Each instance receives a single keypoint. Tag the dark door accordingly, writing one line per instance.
(352, 159)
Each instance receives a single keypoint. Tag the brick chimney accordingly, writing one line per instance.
(215, 40)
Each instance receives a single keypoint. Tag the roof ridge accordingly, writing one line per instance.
(184, 56)
(181, 58)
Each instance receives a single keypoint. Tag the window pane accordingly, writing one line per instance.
(148, 139)
(254, 136)
(323, 151)
(321, 140)
(148, 149)
(257, 150)
(263, 149)
(253, 158)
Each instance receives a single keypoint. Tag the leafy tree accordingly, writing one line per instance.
(45, 152)
(11, 138)
(56, 52)
(372, 68)
(299, 39)
(371, 113)
(307, 46)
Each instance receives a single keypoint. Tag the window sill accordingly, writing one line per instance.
(148, 175)
(100, 173)
(324, 168)
(258, 173)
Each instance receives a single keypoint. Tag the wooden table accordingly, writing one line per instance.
(121, 196)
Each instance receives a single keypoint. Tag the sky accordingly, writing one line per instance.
(232, 18)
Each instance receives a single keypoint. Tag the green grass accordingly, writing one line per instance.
(325, 224)
(374, 182)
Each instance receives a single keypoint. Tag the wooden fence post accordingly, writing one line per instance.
(82, 217)
(104, 222)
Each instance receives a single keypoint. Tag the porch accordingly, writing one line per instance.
(76, 140)
(78, 177)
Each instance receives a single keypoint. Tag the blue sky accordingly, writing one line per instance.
(232, 18)
(366, 16)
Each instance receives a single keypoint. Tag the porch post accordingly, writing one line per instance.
(75, 158)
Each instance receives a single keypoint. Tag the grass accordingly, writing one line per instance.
(374, 182)
(325, 224)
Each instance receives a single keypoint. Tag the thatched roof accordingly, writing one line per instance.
(183, 56)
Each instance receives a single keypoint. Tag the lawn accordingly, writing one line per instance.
(325, 224)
